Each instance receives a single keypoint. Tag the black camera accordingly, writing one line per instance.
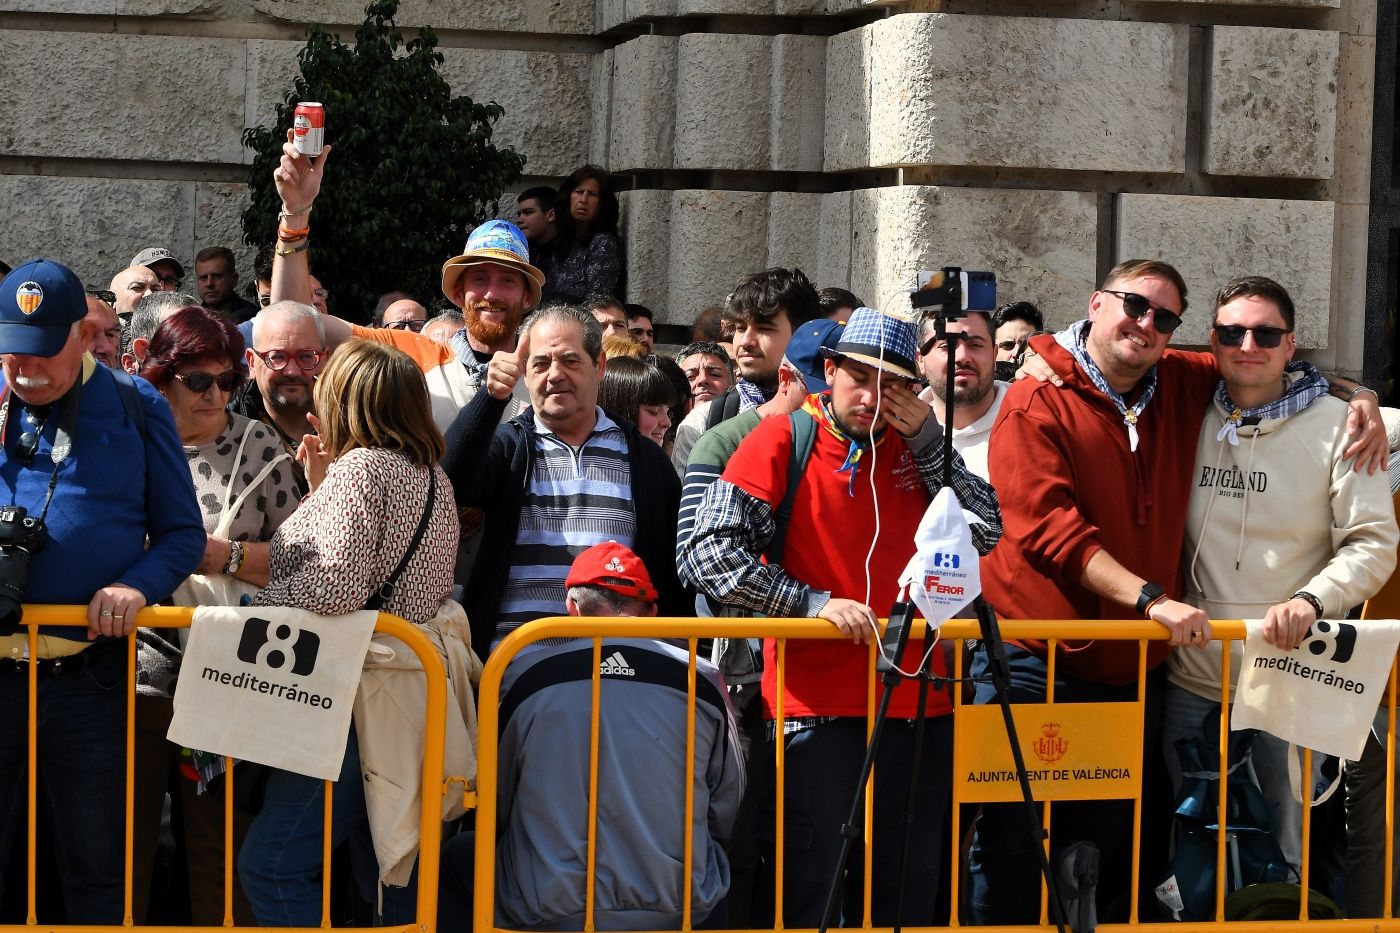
(21, 537)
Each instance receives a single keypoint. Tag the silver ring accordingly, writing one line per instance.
(105, 612)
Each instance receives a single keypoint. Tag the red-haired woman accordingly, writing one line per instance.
(244, 483)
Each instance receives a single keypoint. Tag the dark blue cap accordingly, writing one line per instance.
(39, 302)
(804, 350)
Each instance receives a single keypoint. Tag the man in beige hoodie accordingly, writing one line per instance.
(1280, 527)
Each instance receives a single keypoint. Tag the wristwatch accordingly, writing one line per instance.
(1151, 592)
(1311, 600)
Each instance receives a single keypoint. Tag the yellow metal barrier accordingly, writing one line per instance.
(690, 631)
(432, 791)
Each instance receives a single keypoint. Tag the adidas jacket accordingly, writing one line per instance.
(542, 844)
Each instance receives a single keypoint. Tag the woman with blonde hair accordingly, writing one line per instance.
(380, 511)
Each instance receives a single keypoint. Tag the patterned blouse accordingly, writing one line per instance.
(351, 533)
(592, 269)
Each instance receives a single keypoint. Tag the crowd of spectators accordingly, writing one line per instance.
(537, 448)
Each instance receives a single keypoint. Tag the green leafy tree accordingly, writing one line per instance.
(413, 171)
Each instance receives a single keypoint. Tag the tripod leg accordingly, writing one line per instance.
(901, 614)
(911, 804)
(996, 653)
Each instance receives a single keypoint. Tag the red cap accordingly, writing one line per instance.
(614, 567)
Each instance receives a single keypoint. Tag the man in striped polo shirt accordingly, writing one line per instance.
(556, 479)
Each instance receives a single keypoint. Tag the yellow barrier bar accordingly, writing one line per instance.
(1222, 790)
(1307, 783)
(228, 841)
(689, 829)
(130, 795)
(591, 875)
(1389, 883)
(780, 779)
(33, 801)
(955, 869)
(1137, 798)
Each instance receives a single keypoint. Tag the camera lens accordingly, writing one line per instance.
(14, 574)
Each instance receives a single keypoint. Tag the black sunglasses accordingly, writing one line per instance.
(1136, 307)
(103, 295)
(26, 448)
(415, 326)
(199, 382)
(1265, 337)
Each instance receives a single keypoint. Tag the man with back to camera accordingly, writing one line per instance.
(542, 841)
(95, 455)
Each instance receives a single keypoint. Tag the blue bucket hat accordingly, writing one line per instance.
(498, 243)
(39, 303)
(805, 348)
(885, 341)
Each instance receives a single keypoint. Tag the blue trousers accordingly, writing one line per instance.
(82, 753)
(280, 863)
(822, 768)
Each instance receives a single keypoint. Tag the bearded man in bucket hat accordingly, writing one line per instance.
(875, 465)
(492, 281)
(95, 455)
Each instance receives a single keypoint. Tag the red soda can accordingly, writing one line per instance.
(309, 128)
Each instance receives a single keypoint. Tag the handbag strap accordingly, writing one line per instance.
(232, 508)
(386, 590)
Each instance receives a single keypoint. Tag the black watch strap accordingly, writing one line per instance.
(1150, 593)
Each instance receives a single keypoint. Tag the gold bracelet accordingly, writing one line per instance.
(300, 247)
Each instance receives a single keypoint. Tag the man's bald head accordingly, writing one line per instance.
(131, 285)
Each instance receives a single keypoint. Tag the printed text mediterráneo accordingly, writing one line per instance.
(289, 692)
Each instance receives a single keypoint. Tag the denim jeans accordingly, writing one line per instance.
(280, 863)
(822, 766)
(1004, 866)
(82, 753)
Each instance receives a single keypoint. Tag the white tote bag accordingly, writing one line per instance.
(271, 685)
(1323, 694)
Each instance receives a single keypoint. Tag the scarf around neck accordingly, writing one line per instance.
(819, 407)
(1298, 394)
(1075, 340)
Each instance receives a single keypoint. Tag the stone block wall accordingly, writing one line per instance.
(860, 141)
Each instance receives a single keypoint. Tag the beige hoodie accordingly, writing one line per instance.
(1279, 513)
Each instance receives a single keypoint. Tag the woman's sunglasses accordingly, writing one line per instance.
(199, 383)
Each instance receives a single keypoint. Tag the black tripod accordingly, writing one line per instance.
(901, 618)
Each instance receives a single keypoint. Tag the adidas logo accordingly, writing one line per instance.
(616, 666)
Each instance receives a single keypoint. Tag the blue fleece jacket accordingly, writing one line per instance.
(114, 491)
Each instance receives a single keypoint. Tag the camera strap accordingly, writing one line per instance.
(63, 434)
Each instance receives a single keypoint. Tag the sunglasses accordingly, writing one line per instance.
(1265, 338)
(415, 326)
(26, 448)
(307, 360)
(103, 295)
(199, 382)
(1136, 307)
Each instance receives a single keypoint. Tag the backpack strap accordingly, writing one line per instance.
(131, 398)
(722, 408)
(804, 435)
